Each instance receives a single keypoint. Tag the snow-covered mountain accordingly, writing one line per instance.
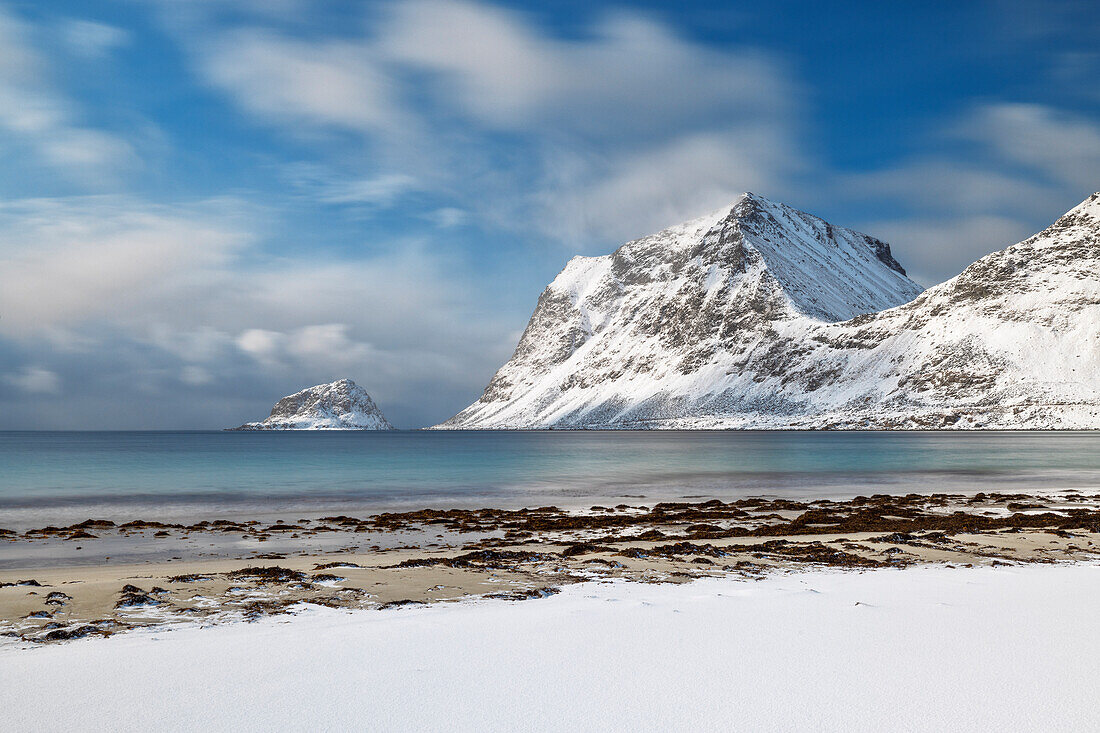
(762, 316)
(342, 405)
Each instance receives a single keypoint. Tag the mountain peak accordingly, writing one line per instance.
(820, 270)
(339, 405)
(829, 272)
(745, 320)
(757, 214)
(676, 304)
(748, 201)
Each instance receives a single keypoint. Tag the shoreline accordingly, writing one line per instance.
(184, 477)
(243, 570)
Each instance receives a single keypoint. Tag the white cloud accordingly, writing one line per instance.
(327, 186)
(68, 261)
(189, 276)
(85, 149)
(323, 346)
(92, 40)
(1064, 147)
(379, 191)
(627, 75)
(35, 380)
(448, 217)
(1025, 165)
(329, 83)
(1021, 159)
(624, 126)
(260, 343)
(130, 293)
(35, 113)
(954, 187)
(327, 340)
(637, 193)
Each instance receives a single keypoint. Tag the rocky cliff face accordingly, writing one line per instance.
(762, 316)
(342, 405)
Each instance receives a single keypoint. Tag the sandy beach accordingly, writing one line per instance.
(146, 573)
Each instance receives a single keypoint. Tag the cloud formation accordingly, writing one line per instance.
(91, 40)
(627, 128)
(70, 261)
(191, 286)
(1063, 147)
(1025, 165)
(36, 115)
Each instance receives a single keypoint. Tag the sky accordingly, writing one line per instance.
(206, 205)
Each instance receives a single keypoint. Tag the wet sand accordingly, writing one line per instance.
(145, 572)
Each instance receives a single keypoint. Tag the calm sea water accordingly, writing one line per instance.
(55, 475)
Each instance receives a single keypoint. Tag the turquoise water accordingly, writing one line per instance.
(72, 473)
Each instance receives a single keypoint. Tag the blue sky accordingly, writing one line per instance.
(205, 205)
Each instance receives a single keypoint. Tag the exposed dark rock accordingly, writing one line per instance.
(399, 604)
(273, 574)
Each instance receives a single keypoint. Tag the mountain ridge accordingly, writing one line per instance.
(797, 328)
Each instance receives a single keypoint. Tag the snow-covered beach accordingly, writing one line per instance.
(927, 648)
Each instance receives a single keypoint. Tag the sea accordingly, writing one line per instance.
(58, 477)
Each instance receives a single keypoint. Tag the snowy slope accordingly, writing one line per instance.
(765, 317)
(342, 405)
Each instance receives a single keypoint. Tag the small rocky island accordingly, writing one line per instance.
(341, 405)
